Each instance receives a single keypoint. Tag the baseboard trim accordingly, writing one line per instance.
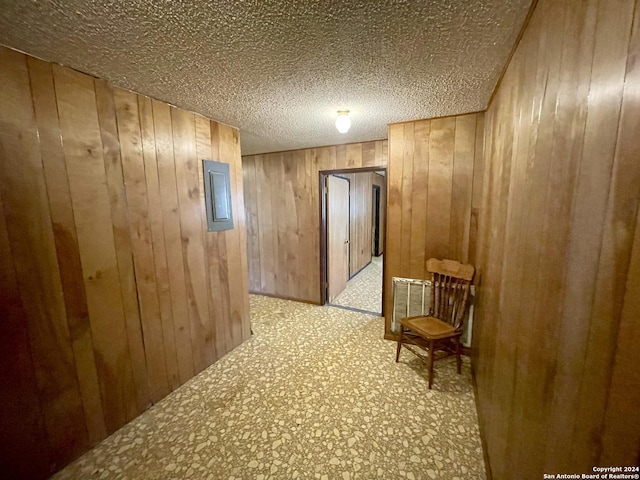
(354, 309)
(281, 297)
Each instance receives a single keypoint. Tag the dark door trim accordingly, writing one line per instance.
(375, 251)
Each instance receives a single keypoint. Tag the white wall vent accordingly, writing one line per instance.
(412, 297)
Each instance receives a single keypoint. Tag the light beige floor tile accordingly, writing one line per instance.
(315, 394)
(364, 291)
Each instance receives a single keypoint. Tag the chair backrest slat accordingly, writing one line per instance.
(450, 285)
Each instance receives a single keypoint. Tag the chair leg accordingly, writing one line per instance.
(431, 352)
(399, 347)
(458, 359)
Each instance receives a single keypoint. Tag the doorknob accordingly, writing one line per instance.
(346, 242)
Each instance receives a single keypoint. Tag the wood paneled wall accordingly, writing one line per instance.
(435, 186)
(112, 292)
(283, 209)
(558, 313)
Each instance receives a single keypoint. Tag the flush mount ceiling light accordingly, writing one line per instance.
(343, 122)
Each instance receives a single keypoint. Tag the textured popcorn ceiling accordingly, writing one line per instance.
(280, 70)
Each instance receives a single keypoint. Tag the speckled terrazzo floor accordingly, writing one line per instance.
(314, 394)
(364, 291)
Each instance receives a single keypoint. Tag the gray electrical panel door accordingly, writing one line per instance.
(217, 188)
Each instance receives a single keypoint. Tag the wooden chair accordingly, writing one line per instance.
(438, 332)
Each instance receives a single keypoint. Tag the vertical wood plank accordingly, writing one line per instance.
(204, 151)
(31, 236)
(529, 389)
(385, 153)
(292, 221)
(122, 240)
(407, 203)
(513, 269)
(621, 426)
(575, 74)
(90, 198)
(228, 139)
(341, 159)
(439, 188)
(66, 243)
(491, 244)
(267, 246)
(191, 227)
(353, 155)
(417, 260)
(318, 159)
(369, 158)
(476, 198)
(173, 238)
(328, 158)
(217, 275)
(306, 225)
(243, 291)
(253, 225)
(128, 121)
(154, 200)
(462, 190)
(607, 202)
(26, 451)
(279, 222)
(394, 211)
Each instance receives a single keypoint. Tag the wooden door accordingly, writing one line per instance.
(337, 234)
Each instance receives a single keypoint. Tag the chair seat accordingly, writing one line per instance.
(439, 331)
(430, 327)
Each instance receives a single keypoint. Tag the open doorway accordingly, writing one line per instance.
(352, 239)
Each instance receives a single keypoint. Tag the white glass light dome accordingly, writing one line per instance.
(343, 122)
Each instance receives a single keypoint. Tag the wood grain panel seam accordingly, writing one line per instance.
(452, 187)
(147, 227)
(600, 246)
(48, 194)
(130, 251)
